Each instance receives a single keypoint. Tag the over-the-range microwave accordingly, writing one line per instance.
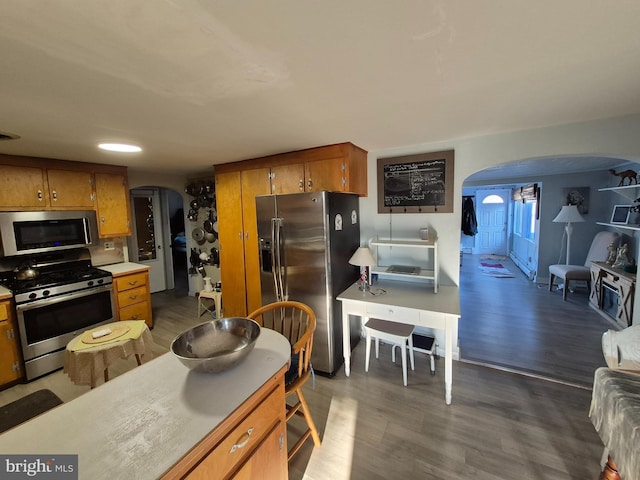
(23, 233)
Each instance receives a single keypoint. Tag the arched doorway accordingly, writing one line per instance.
(517, 323)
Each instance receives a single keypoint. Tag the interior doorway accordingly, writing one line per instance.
(158, 239)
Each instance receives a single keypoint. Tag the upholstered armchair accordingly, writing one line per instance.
(598, 252)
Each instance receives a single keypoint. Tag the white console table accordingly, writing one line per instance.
(405, 302)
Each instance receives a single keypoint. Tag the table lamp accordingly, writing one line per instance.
(569, 214)
(363, 258)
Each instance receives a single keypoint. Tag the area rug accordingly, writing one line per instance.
(495, 270)
(25, 408)
(493, 257)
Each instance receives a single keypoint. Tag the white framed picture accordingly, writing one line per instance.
(620, 214)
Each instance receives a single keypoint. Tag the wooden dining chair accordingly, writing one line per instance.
(297, 322)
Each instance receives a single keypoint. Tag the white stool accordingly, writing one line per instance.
(398, 334)
(216, 297)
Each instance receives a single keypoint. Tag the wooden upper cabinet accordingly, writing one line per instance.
(22, 187)
(339, 168)
(329, 174)
(112, 200)
(68, 188)
(287, 178)
(32, 183)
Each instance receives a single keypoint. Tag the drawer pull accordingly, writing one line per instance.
(135, 282)
(133, 297)
(242, 441)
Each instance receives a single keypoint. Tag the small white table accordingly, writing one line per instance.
(405, 302)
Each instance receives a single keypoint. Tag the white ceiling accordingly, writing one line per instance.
(198, 83)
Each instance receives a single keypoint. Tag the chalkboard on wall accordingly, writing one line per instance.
(420, 183)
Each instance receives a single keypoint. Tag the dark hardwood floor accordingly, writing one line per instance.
(515, 324)
(500, 425)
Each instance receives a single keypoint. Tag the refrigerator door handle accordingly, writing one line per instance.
(276, 263)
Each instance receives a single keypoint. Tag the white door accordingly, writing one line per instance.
(147, 238)
(492, 207)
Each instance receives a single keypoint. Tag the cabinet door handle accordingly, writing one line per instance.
(133, 297)
(242, 441)
(309, 184)
(301, 185)
(40, 195)
(54, 195)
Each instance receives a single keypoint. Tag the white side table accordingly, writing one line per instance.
(215, 297)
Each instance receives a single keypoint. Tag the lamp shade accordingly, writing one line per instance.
(362, 257)
(569, 214)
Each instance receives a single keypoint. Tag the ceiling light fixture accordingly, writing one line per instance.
(120, 147)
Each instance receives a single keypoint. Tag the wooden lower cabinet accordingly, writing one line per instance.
(133, 297)
(10, 359)
(250, 444)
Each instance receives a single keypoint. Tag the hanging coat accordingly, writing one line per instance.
(469, 222)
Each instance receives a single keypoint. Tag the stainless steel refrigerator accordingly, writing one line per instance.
(305, 242)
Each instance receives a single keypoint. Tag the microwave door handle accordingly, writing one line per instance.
(87, 235)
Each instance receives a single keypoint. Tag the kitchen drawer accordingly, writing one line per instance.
(393, 313)
(239, 443)
(129, 297)
(137, 311)
(131, 281)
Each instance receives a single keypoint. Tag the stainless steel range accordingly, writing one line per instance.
(66, 297)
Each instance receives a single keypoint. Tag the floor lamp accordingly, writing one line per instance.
(569, 214)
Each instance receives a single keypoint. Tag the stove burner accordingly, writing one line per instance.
(56, 280)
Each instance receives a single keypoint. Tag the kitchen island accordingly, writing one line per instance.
(161, 420)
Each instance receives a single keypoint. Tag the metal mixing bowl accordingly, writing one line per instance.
(217, 345)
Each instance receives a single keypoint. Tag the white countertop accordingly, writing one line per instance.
(123, 268)
(141, 423)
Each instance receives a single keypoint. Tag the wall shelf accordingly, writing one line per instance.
(423, 273)
(628, 191)
(623, 227)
